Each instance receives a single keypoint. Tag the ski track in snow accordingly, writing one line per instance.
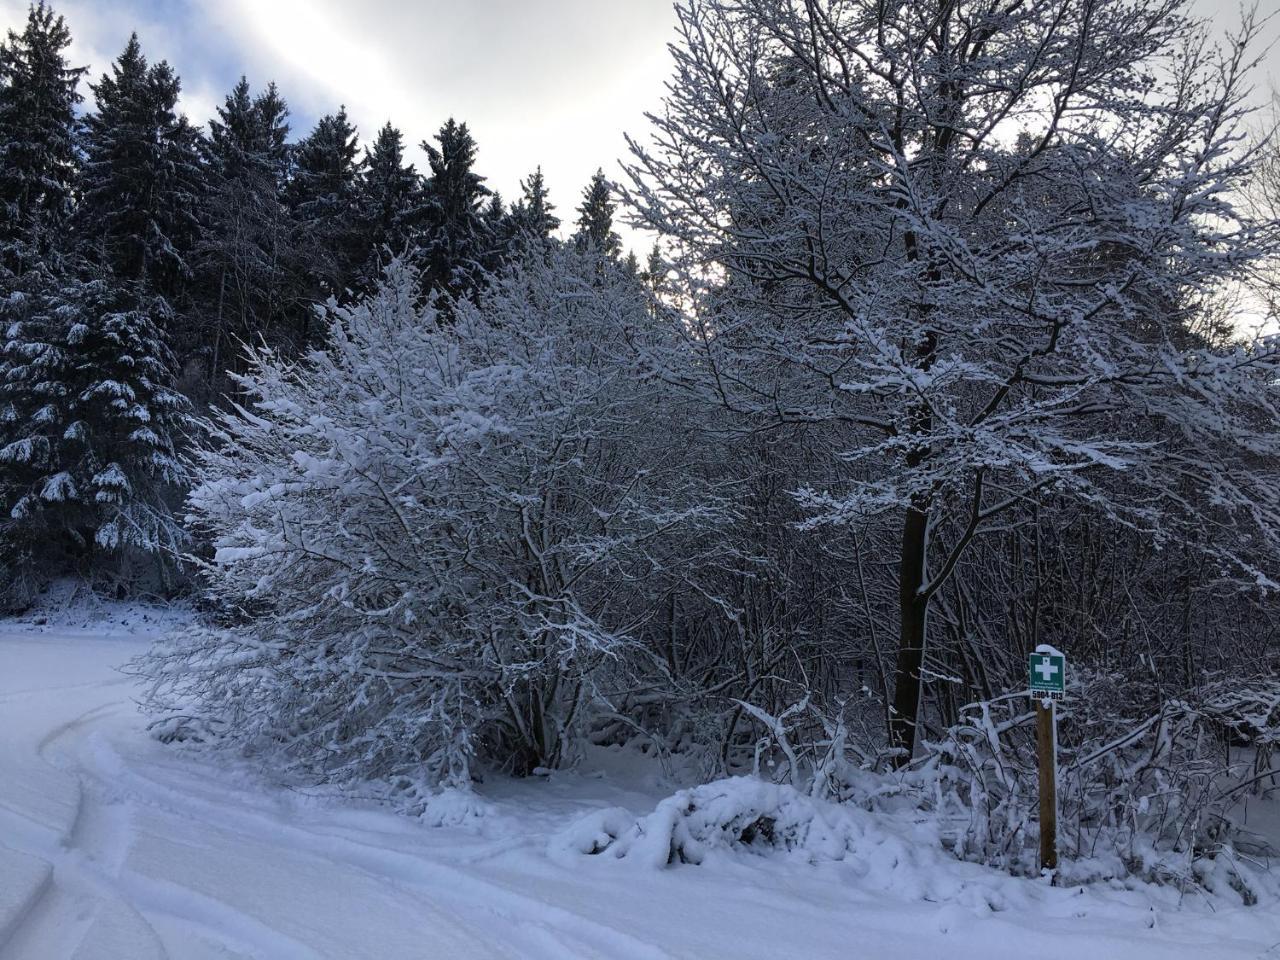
(96, 903)
(113, 847)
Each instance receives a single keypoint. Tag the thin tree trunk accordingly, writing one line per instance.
(214, 372)
(913, 608)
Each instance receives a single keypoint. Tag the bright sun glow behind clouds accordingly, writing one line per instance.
(307, 41)
(555, 84)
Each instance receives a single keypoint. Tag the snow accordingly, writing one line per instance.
(113, 845)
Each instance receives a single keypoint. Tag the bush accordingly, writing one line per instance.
(427, 531)
(1149, 794)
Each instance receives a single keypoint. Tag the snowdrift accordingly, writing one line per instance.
(901, 850)
(746, 816)
(738, 813)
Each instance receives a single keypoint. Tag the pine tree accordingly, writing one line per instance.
(142, 183)
(244, 256)
(457, 240)
(534, 213)
(90, 467)
(502, 231)
(595, 218)
(322, 195)
(38, 131)
(326, 167)
(655, 270)
(390, 205)
(250, 136)
(34, 378)
(91, 418)
(119, 458)
(38, 161)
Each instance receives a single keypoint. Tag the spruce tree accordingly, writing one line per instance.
(389, 196)
(655, 270)
(90, 461)
(142, 183)
(244, 256)
(457, 241)
(323, 198)
(534, 210)
(38, 161)
(34, 382)
(595, 219)
(119, 452)
(533, 218)
(249, 136)
(38, 131)
(92, 418)
(502, 231)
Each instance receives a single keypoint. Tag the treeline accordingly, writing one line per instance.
(139, 254)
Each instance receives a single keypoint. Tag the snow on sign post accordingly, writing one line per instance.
(1047, 675)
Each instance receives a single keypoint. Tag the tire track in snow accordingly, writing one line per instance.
(92, 895)
(78, 913)
(55, 920)
(70, 726)
(218, 921)
(26, 880)
(439, 881)
(152, 895)
(93, 887)
(9, 695)
(434, 885)
(90, 902)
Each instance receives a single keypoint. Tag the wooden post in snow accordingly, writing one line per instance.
(1047, 743)
(1047, 672)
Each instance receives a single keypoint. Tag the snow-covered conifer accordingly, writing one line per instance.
(92, 423)
(245, 254)
(141, 183)
(595, 218)
(456, 242)
(38, 165)
(38, 131)
(390, 205)
(322, 195)
(534, 214)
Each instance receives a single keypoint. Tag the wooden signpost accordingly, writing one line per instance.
(1047, 670)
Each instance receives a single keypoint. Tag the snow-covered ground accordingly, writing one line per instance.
(115, 847)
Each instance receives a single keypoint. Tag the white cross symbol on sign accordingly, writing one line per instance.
(1046, 669)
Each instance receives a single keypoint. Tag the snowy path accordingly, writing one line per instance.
(113, 847)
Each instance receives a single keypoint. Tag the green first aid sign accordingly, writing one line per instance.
(1048, 673)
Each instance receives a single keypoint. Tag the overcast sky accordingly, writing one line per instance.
(555, 82)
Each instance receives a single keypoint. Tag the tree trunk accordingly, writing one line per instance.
(913, 608)
(913, 602)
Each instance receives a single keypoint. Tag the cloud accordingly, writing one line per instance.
(554, 83)
(100, 31)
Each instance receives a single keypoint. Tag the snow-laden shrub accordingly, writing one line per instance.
(429, 530)
(749, 817)
(1145, 789)
(743, 814)
(877, 835)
